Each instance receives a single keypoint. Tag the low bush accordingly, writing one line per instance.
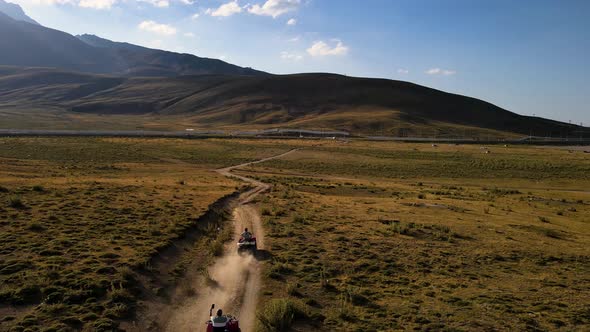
(15, 202)
(278, 315)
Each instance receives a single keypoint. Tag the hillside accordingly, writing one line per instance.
(314, 101)
(15, 12)
(143, 61)
(22, 42)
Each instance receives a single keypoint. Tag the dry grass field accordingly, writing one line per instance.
(359, 235)
(386, 236)
(79, 217)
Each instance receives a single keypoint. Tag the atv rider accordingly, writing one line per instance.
(219, 321)
(246, 236)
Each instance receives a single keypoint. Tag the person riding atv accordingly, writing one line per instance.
(221, 322)
(247, 242)
(246, 235)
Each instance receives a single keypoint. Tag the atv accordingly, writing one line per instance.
(232, 324)
(247, 245)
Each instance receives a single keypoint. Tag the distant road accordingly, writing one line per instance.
(183, 133)
(525, 140)
(286, 133)
(107, 133)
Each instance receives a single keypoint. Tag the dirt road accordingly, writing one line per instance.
(233, 282)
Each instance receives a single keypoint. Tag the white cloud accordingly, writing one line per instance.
(290, 56)
(223, 57)
(157, 3)
(438, 71)
(294, 39)
(154, 43)
(292, 22)
(189, 35)
(97, 4)
(320, 48)
(227, 9)
(195, 16)
(275, 8)
(102, 4)
(402, 71)
(160, 29)
(46, 2)
(179, 49)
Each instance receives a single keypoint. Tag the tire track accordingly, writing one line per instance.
(234, 280)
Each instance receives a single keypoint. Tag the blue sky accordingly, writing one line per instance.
(528, 56)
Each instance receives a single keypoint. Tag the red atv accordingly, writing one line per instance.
(249, 244)
(231, 325)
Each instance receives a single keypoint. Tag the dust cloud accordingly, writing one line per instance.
(228, 284)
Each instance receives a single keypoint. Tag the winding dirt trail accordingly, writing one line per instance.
(234, 280)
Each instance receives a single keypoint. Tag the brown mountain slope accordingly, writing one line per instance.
(23, 43)
(15, 12)
(326, 101)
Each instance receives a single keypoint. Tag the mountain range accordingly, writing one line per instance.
(14, 11)
(23, 42)
(87, 80)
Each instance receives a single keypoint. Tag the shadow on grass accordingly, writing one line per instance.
(262, 255)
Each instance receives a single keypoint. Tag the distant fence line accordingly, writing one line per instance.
(523, 140)
(114, 133)
(287, 133)
(179, 133)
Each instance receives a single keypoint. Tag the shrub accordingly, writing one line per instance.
(299, 220)
(216, 248)
(15, 202)
(553, 234)
(401, 229)
(120, 296)
(278, 315)
(104, 325)
(38, 188)
(116, 311)
(36, 227)
(27, 294)
(292, 289)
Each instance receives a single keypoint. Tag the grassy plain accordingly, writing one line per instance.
(361, 236)
(388, 236)
(80, 216)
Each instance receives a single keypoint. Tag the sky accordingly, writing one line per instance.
(531, 57)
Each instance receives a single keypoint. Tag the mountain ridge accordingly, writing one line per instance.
(16, 12)
(311, 101)
(85, 76)
(22, 43)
